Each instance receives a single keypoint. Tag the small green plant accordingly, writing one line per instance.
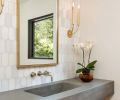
(86, 68)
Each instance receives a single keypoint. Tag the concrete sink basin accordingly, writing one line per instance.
(70, 89)
(52, 89)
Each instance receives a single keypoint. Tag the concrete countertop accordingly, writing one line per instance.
(84, 88)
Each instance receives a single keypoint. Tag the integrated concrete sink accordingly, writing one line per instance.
(52, 89)
(70, 89)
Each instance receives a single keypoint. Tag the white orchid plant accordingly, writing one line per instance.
(83, 67)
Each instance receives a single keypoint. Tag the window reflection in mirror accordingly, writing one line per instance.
(41, 37)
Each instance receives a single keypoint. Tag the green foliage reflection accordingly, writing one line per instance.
(43, 39)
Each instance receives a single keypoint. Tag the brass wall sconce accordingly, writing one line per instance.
(75, 20)
(1, 5)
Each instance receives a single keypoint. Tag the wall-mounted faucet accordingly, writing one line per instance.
(33, 74)
(45, 73)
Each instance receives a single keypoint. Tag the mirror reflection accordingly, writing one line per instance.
(37, 36)
(41, 37)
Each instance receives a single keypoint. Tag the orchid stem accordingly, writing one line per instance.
(83, 57)
(89, 55)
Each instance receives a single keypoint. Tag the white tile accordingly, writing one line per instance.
(33, 81)
(5, 85)
(5, 33)
(8, 73)
(2, 73)
(12, 59)
(12, 35)
(20, 74)
(6, 7)
(0, 60)
(11, 46)
(28, 81)
(20, 82)
(14, 72)
(14, 21)
(17, 83)
(12, 8)
(0, 86)
(8, 20)
(5, 59)
(13, 49)
(11, 84)
(2, 19)
(26, 73)
(23, 82)
(2, 46)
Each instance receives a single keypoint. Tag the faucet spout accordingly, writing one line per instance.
(48, 74)
(51, 77)
(45, 73)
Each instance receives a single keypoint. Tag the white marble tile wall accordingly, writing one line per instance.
(10, 77)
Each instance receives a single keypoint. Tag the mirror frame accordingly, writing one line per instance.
(1, 6)
(18, 40)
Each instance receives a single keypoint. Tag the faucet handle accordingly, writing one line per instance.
(46, 73)
(39, 73)
(33, 74)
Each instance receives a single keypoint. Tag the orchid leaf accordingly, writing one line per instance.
(79, 70)
(91, 68)
(92, 65)
(81, 65)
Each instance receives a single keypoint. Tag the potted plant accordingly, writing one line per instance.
(84, 69)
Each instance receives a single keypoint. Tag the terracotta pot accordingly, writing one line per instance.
(86, 77)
